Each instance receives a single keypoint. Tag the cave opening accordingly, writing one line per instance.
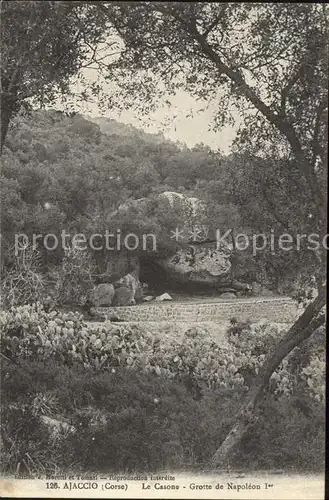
(154, 275)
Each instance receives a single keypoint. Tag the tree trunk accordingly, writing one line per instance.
(5, 118)
(7, 111)
(303, 328)
(281, 123)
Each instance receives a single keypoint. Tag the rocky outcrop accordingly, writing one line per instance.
(203, 264)
(189, 211)
(163, 297)
(276, 310)
(131, 281)
(228, 295)
(57, 429)
(113, 265)
(148, 298)
(102, 295)
(184, 255)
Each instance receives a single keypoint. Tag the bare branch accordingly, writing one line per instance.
(309, 322)
(278, 121)
(285, 91)
(214, 24)
(316, 148)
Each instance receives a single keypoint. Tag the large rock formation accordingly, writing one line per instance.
(200, 263)
(131, 281)
(184, 254)
(189, 212)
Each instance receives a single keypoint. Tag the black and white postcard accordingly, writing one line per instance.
(163, 249)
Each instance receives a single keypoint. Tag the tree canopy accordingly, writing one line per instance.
(269, 62)
(44, 44)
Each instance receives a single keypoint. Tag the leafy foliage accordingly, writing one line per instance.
(196, 360)
(44, 45)
(73, 281)
(133, 421)
(276, 81)
(23, 282)
(68, 173)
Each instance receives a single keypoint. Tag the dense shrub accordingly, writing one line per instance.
(121, 399)
(289, 433)
(123, 420)
(73, 280)
(30, 333)
(22, 280)
(127, 420)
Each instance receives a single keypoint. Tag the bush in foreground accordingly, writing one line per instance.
(29, 332)
(57, 417)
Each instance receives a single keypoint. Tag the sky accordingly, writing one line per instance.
(177, 126)
(173, 122)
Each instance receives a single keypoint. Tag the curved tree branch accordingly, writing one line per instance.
(311, 319)
(280, 122)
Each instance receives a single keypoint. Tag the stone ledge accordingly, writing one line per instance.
(282, 310)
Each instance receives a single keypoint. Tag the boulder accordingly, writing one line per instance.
(200, 264)
(123, 296)
(116, 319)
(256, 288)
(48, 304)
(102, 295)
(56, 427)
(113, 265)
(131, 281)
(164, 296)
(148, 298)
(190, 211)
(228, 295)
